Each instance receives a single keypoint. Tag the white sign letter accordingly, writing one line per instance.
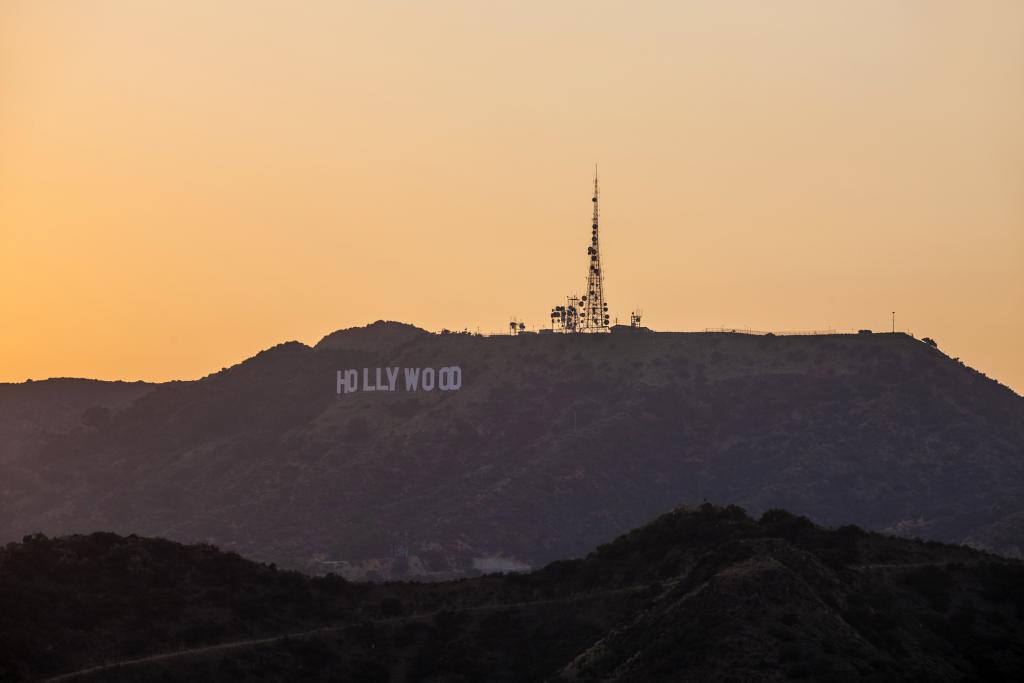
(412, 378)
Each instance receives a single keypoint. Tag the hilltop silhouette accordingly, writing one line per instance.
(701, 594)
(553, 444)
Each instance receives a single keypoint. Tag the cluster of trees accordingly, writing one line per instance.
(77, 601)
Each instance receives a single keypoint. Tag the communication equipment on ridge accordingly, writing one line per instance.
(516, 327)
(589, 312)
(634, 318)
(567, 318)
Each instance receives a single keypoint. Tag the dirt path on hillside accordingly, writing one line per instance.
(396, 675)
(401, 667)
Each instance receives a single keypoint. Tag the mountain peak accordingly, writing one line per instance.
(377, 336)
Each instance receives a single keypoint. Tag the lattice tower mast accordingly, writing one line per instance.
(595, 309)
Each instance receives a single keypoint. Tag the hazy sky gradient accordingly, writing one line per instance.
(185, 183)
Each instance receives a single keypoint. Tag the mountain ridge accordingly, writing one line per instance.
(552, 443)
(698, 594)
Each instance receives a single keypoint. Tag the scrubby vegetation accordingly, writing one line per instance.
(699, 594)
(553, 445)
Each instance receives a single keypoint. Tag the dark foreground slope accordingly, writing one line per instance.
(702, 594)
(553, 444)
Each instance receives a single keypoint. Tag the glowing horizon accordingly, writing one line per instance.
(183, 184)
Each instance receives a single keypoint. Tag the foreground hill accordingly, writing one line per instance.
(552, 444)
(704, 594)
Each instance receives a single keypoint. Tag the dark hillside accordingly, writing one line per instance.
(33, 411)
(704, 594)
(552, 444)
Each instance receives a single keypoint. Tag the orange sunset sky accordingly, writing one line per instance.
(184, 183)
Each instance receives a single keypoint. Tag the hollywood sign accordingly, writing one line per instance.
(400, 379)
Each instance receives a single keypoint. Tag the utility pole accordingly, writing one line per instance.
(894, 322)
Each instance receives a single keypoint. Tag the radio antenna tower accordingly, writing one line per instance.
(587, 313)
(595, 310)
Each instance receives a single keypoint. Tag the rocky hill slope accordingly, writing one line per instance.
(702, 594)
(34, 412)
(552, 444)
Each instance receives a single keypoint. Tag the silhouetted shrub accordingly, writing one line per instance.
(933, 583)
